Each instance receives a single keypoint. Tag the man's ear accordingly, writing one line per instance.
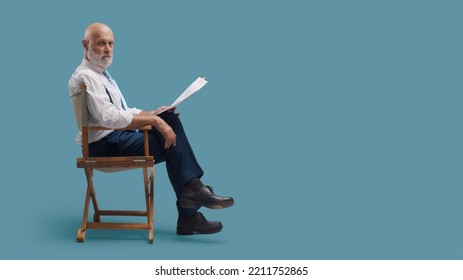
(85, 44)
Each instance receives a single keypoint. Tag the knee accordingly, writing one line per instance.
(170, 118)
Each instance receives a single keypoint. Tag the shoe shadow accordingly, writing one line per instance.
(169, 234)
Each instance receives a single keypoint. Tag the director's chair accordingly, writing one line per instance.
(112, 164)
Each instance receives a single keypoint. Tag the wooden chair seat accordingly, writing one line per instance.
(115, 162)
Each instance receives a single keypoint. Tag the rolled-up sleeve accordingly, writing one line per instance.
(135, 111)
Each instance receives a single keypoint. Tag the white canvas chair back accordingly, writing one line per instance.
(79, 105)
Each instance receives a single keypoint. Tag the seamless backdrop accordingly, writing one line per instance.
(336, 126)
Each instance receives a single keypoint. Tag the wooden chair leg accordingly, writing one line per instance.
(151, 223)
(145, 186)
(81, 231)
(80, 235)
(90, 195)
(96, 215)
(151, 205)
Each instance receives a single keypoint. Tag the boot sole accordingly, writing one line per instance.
(191, 231)
(185, 203)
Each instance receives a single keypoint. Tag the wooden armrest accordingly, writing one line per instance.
(142, 127)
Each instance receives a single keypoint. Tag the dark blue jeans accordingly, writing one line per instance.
(180, 160)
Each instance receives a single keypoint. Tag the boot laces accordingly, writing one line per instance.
(210, 188)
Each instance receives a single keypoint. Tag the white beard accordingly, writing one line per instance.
(99, 60)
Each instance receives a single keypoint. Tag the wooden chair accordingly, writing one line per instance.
(112, 164)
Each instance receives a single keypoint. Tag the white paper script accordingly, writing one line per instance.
(194, 87)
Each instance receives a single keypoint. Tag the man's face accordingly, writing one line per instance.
(100, 48)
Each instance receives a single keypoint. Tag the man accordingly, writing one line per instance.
(167, 140)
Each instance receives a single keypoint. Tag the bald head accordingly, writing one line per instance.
(95, 29)
(98, 44)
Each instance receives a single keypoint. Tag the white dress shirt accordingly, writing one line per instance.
(101, 111)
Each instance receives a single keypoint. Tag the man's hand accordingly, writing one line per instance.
(167, 132)
(155, 112)
(148, 117)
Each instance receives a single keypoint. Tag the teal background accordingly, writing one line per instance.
(336, 126)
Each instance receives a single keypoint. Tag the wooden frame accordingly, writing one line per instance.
(109, 164)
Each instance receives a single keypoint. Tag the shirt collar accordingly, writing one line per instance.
(92, 66)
